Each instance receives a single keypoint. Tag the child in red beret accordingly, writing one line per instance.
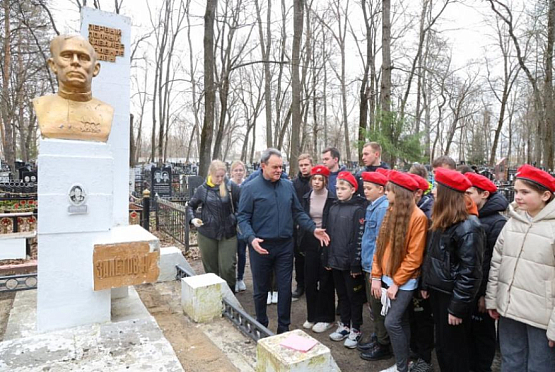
(491, 204)
(396, 264)
(318, 282)
(452, 270)
(521, 286)
(345, 226)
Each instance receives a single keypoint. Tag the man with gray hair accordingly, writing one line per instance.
(268, 210)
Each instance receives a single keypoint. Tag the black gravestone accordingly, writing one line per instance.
(161, 179)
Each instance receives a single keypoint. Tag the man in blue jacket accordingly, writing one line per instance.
(268, 210)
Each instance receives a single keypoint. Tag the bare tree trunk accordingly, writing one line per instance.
(7, 128)
(298, 18)
(132, 143)
(385, 96)
(548, 152)
(209, 88)
(265, 46)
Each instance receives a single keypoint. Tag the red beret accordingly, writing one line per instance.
(533, 174)
(452, 179)
(403, 180)
(321, 170)
(346, 176)
(422, 183)
(481, 182)
(374, 177)
(383, 171)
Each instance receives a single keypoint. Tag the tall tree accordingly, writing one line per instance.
(209, 88)
(298, 17)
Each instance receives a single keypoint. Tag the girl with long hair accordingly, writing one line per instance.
(396, 265)
(238, 171)
(320, 299)
(452, 270)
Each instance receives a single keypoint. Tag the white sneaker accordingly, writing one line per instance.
(393, 368)
(308, 325)
(240, 286)
(354, 337)
(321, 327)
(274, 297)
(269, 300)
(341, 333)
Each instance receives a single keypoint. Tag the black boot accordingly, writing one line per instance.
(377, 353)
(298, 292)
(369, 345)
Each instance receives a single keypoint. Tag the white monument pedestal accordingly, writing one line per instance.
(66, 235)
(272, 357)
(201, 297)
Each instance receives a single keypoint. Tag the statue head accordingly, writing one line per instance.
(74, 62)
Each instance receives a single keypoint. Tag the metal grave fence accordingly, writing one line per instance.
(249, 326)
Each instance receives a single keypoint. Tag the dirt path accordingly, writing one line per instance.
(193, 348)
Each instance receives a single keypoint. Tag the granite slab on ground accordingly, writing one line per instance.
(132, 341)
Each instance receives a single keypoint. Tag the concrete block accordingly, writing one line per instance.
(272, 357)
(169, 257)
(201, 297)
(11, 249)
(120, 292)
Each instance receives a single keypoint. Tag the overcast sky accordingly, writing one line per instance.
(462, 24)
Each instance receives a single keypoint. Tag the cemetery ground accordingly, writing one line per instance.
(212, 347)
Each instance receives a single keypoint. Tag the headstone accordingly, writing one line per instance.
(161, 181)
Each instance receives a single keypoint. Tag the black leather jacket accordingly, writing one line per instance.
(217, 213)
(492, 221)
(453, 264)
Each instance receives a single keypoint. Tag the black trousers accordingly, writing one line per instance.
(482, 341)
(299, 264)
(352, 296)
(452, 342)
(279, 261)
(319, 288)
(421, 328)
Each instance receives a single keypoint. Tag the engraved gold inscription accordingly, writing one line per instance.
(106, 42)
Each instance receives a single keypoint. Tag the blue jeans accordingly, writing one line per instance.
(241, 258)
(524, 348)
(279, 261)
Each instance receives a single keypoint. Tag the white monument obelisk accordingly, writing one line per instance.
(83, 194)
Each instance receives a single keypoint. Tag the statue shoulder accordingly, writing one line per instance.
(103, 106)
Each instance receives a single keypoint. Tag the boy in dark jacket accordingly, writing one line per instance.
(490, 205)
(345, 226)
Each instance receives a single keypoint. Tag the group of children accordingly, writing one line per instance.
(435, 276)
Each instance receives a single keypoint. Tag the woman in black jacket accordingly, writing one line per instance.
(320, 297)
(217, 225)
(452, 269)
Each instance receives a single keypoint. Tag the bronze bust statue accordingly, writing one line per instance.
(73, 113)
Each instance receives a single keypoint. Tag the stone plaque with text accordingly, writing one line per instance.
(124, 264)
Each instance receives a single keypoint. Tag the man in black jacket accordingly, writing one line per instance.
(302, 186)
(268, 211)
(372, 160)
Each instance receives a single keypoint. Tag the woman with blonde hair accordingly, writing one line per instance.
(217, 224)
